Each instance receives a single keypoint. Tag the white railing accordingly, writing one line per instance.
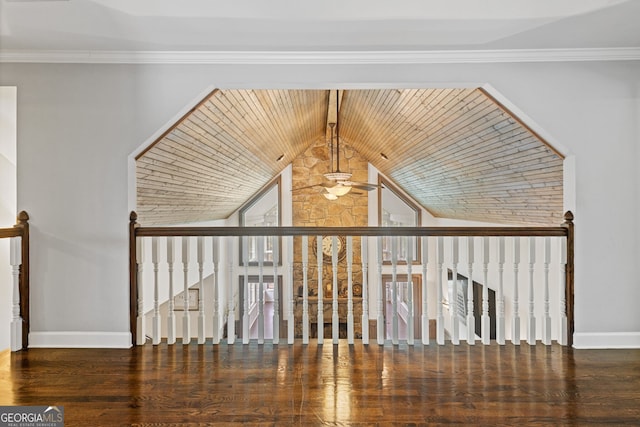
(16, 319)
(18, 236)
(528, 270)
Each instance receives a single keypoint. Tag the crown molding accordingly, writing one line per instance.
(319, 58)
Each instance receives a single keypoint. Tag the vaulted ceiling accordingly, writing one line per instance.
(457, 152)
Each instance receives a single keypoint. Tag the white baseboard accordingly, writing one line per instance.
(79, 340)
(599, 340)
(606, 340)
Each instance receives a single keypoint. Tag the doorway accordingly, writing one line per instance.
(268, 299)
(402, 298)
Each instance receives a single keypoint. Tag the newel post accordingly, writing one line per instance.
(569, 276)
(133, 282)
(23, 224)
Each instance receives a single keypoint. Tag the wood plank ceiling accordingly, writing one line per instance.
(224, 151)
(457, 152)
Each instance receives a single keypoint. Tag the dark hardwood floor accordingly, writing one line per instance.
(328, 385)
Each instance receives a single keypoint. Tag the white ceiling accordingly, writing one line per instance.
(330, 25)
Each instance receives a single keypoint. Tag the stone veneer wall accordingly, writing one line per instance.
(310, 208)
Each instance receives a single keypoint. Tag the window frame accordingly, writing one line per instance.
(277, 181)
(383, 184)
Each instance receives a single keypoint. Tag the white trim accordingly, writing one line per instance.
(527, 120)
(327, 57)
(79, 339)
(132, 185)
(606, 340)
(190, 106)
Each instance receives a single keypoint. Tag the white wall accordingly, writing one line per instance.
(8, 99)
(78, 124)
(595, 118)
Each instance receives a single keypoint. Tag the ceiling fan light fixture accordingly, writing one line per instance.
(330, 196)
(338, 176)
(338, 190)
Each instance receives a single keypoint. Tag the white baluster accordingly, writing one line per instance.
(439, 299)
(531, 332)
(425, 311)
(350, 332)
(453, 304)
(156, 305)
(515, 326)
(291, 320)
(260, 245)
(305, 290)
(231, 318)
(546, 320)
(563, 338)
(364, 256)
(201, 319)
(245, 314)
(471, 319)
(335, 320)
(218, 305)
(320, 315)
(486, 320)
(140, 321)
(394, 290)
(410, 329)
(381, 291)
(171, 318)
(16, 320)
(500, 323)
(186, 324)
(215, 315)
(276, 291)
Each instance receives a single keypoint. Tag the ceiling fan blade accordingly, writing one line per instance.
(307, 186)
(364, 186)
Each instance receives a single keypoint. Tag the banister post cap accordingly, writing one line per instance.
(568, 217)
(23, 217)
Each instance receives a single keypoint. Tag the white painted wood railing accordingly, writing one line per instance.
(533, 265)
(18, 236)
(16, 319)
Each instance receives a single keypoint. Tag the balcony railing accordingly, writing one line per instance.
(353, 299)
(19, 261)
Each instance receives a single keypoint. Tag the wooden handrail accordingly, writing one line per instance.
(565, 230)
(21, 229)
(351, 231)
(10, 232)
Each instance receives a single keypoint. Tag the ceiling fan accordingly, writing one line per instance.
(339, 183)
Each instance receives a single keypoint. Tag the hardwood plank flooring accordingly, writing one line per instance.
(328, 385)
